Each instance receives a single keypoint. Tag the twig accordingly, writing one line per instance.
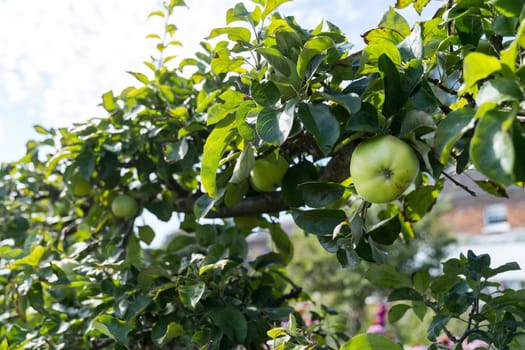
(459, 184)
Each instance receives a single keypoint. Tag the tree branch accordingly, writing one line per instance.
(459, 184)
(264, 203)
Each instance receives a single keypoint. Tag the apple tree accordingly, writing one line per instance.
(260, 127)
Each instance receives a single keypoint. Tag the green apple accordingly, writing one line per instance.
(267, 173)
(124, 206)
(81, 187)
(382, 168)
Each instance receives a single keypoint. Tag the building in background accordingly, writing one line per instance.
(487, 224)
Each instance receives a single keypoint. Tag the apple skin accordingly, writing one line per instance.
(124, 206)
(382, 168)
(267, 173)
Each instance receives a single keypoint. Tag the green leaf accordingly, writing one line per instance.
(271, 5)
(275, 59)
(237, 13)
(146, 234)
(36, 297)
(509, 8)
(175, 152)
(296, 175)
(371, 341)
(379, 35)
(244, 113)
(156, 13)
(412, 46)
(243, 166)
(282, 241)
(318, 221)
(234, 33)
(86, 161)
(469, 29)
(419, 202)
(404, 294)
(477, 66)
(108, 102)
(275, 333)
(265, 94)
(163, 331)
(492, 149)
(492, 188)
(393, 20)
(421, 281)
(347, 257)
(387, 231)
(369, 61)
(231, 322)
(420, 309)
(511, 266)
(419, 5)
(162, 209)
(351, 102)
(274, 126)
(320, 194)
(204, 204)
(191, 294)
(33, 259)
(114, 328)
(312, 48)
(214, 147)
(436, 326)
(401, 4)
(386, 276)
(137, 306)
(450, 130)
(417, 122)
(133, 251)
(396, 312)
(499, 90)
(321, 123)
(394, 98)
(443, 283)
(140, 77)
(364, 120)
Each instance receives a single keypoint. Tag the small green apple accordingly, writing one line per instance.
(267, 173)
(382, 168)
(81, 187)
(124, 206)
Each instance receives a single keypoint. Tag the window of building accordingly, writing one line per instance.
(495, 219)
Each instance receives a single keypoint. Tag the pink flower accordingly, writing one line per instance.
(475, 344)
(376, 329)
(417, 347)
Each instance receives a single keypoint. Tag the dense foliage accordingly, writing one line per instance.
(75, 272)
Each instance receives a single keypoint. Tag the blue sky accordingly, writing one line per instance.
(57, 57)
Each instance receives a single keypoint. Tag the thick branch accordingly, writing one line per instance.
(264, 203)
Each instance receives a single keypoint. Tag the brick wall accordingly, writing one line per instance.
(467, 216)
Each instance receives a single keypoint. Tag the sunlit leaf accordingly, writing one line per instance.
(214, 147)
(233, 33)
(478, 66)
(492, 149)
(114, 328)
(370, 341)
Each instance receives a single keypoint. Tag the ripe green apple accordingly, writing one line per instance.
(267, 173)
(382, 168)
(124, 206)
